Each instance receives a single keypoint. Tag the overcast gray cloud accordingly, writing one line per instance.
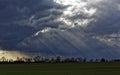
(88, 28)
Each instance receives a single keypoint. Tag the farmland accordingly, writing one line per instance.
(61, 69)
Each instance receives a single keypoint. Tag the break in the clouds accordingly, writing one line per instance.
(87, 28)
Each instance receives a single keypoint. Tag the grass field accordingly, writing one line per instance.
(61, 69)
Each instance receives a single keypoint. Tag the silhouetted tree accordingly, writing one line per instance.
(85, 60)
(58, 59)
(97, 60)
(37, 59)
(91, 60)
(11, 60)
(103, 60)
(3, 59)
(79, 59)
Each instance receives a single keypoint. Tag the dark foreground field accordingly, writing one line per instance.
(61, 69)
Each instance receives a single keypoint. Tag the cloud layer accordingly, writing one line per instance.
(61, 27)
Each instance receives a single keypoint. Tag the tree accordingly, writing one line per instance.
(103, 60)
(37, 59)
(3, 59)
(58, 59)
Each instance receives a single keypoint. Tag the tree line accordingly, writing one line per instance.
(58, 59)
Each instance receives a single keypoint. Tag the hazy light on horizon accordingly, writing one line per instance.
(11, 54)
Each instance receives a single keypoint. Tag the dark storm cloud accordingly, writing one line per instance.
(23, 9)
(107, 17)
(57, 27)
(20, 19)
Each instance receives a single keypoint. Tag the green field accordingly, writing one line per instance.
(61, 69)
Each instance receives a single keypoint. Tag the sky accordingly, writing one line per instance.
(84, 28)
